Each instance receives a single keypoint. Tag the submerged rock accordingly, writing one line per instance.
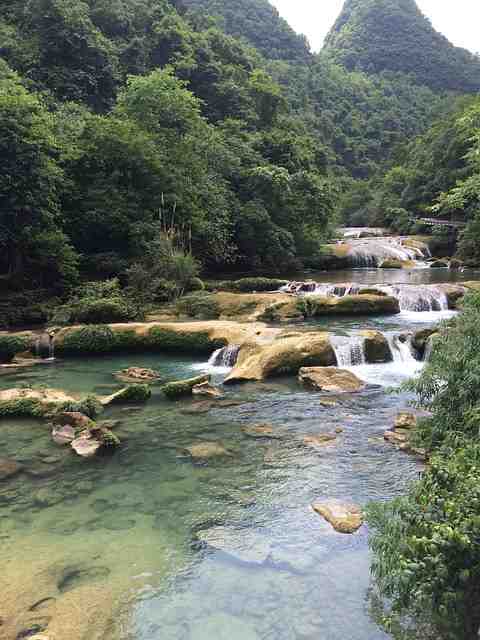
(181, 388)
(9, 468)
(206, 451)
(319, 440)
(205, 389)
(243, 544)
(282, 357)
(260, 431)
(330, 379)
(344, 518)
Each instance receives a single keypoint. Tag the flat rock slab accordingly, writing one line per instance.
(63, 435)
(206, 390)
(344, 518)
(330, 379)
(85, 447)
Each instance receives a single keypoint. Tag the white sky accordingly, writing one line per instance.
(458, 20)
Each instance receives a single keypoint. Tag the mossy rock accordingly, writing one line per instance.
(456, 265)
(133, 394)
(392, 263)
(377, 349)
(315, 306)
(180, 388)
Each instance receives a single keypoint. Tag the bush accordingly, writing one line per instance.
(87, 340)
(10, 345)
(165, 340)
(246, 285)
(199, 305)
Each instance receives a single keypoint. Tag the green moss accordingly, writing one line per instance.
(391, 264)
(162, 339)
(22, 408)
(90, 407)
(181, 388)
(10, 345)
(133, 394)
(246, 285)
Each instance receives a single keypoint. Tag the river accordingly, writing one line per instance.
(112, 548)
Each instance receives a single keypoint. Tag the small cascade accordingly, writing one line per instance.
(371, 253)
(226, 357)
(350, 351)
(322, 289)
(420, 298)
(429, 348)
(401, 348)
(45, 346)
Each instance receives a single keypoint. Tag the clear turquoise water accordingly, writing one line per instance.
(128, 522)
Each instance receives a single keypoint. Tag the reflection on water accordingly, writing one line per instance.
(123, 530)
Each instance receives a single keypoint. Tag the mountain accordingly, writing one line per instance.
(394, 35)
(259, 23)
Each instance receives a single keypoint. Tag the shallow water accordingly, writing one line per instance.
(125, 524)
(110, 548)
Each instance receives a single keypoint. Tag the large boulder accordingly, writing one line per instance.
(377, 349)
(285, 356)
(330, 379)
(344, 518)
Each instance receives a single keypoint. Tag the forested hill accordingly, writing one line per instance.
(394, 35)
(258, 22)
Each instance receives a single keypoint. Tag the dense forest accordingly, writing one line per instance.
(134, 119)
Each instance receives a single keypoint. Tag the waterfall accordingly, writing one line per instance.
(45, 346)
(371, 253)
(226, 357)
(429, 345)
(401, 348)
(421, 298)
(350, 351)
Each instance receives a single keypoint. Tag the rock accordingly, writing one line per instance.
(420, 339)
(181, 388)
(86, 446)
(377, 349)
(371, 291)
(32, 402)
(339, 430)
(327, 404)
(260, 431)
(344, 518)
(9, 468)
(281, 357)
(456, 265)
(318, 306)
(205, 389)
(330, 379)
(319, 440)
(134, 394)
(405, 421)
(206, 451)
(439, 264)
(392, 263)
(134, 375)
(63, 435)
(74, 419)
(395, 438)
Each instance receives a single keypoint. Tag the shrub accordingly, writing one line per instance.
(90, 407)
(199, 305)
(22, 408)
(10, 345)
(166, 340)
(87, 340)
